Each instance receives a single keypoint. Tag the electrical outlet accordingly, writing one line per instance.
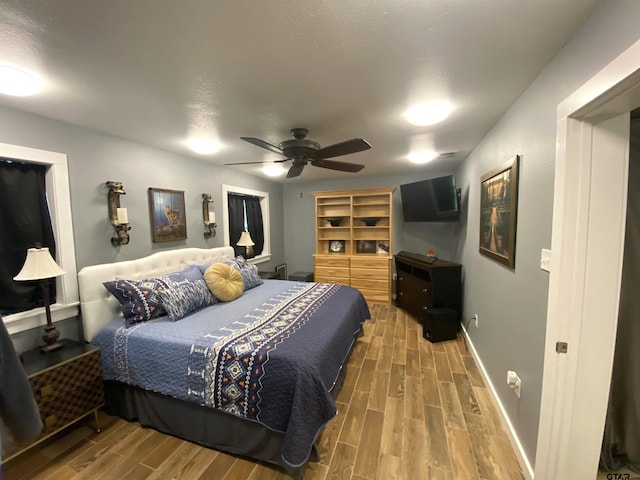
(513, 380)
(475, 319)
(518, 386)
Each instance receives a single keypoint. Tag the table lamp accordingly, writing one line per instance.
(40, 265)
(246, 241)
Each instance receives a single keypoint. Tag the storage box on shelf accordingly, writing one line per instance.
(353, 240)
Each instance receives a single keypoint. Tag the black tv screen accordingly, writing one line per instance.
(432, 200)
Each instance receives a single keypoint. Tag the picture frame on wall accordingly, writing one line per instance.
(168, 215)
(498, 212)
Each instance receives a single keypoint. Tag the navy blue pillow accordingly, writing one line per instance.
(139, 299)
(250, 276)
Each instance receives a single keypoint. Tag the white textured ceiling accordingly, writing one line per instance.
(159, 71)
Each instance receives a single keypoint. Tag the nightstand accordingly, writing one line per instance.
(67, 385)
(270, 275)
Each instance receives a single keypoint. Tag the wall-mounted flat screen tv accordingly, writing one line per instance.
(432, 200)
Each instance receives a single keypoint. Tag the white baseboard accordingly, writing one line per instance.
(527, 469)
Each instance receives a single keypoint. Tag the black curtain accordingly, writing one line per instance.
(236, 221)
(255, 227)
(24, 221)
(254, 221)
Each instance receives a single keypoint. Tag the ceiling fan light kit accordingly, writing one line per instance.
(302, 151)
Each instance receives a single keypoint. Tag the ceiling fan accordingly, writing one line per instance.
(302, 151)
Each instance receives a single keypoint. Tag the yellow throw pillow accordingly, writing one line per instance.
(224, 281)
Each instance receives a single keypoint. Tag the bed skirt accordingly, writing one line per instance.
(205, 426)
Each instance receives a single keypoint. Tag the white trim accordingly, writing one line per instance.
(57, 183)
(527, 469)
(591, 155)
(266, 215)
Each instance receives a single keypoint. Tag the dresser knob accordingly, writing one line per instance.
(425, 290)
(401, 293)
(425, 308)
(400, 278)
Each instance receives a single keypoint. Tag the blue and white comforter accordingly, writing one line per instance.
(271, 356)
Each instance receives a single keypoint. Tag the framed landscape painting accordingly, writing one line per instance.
(168, 216)
(498, 212)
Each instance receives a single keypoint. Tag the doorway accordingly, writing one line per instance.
(584, 284)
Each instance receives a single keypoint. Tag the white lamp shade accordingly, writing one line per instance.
(245, 240)
(39, 264)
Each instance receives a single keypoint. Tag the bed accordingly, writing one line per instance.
(256, 376)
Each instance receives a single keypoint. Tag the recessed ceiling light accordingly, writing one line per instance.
(423, 157)
(203, 147)
(428, 113)
(273, 170)
(17, 82)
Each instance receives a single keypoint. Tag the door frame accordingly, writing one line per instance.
(584, 284)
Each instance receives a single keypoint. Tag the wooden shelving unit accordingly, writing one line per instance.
(354, 240)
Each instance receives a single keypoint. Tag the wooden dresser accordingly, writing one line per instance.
(354, 240)
(67, 385)
(425, 284)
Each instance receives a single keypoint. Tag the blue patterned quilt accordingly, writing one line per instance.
(272, 356)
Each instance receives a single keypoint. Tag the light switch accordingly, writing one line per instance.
(545, 260)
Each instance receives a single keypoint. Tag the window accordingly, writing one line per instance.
(253, 197)
(25, 222)
(57, 187)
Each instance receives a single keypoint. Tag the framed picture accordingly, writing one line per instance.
(336, 246)
(168, 216)
(366, 246)
(498, 212)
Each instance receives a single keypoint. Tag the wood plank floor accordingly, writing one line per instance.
(409, 409)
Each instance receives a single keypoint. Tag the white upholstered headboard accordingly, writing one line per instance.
(98, 307)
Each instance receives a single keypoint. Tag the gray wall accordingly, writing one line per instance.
(94, 158)
(512, 304)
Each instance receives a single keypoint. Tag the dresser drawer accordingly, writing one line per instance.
(372, 284)
(370, 262)
(68, 391)
(334, 261)
(67, 377)
(370, 274)
(376, 296)
(331, 272)
(329, 279)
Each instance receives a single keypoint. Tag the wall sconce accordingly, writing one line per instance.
(118, 216)
(208, 216)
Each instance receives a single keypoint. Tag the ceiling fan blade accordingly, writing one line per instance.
(343, 148)
(261, 143)
(295, 170)
(254, 163)
(333, 165)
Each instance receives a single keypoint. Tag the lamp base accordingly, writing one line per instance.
(51, 348)
(50, 337)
